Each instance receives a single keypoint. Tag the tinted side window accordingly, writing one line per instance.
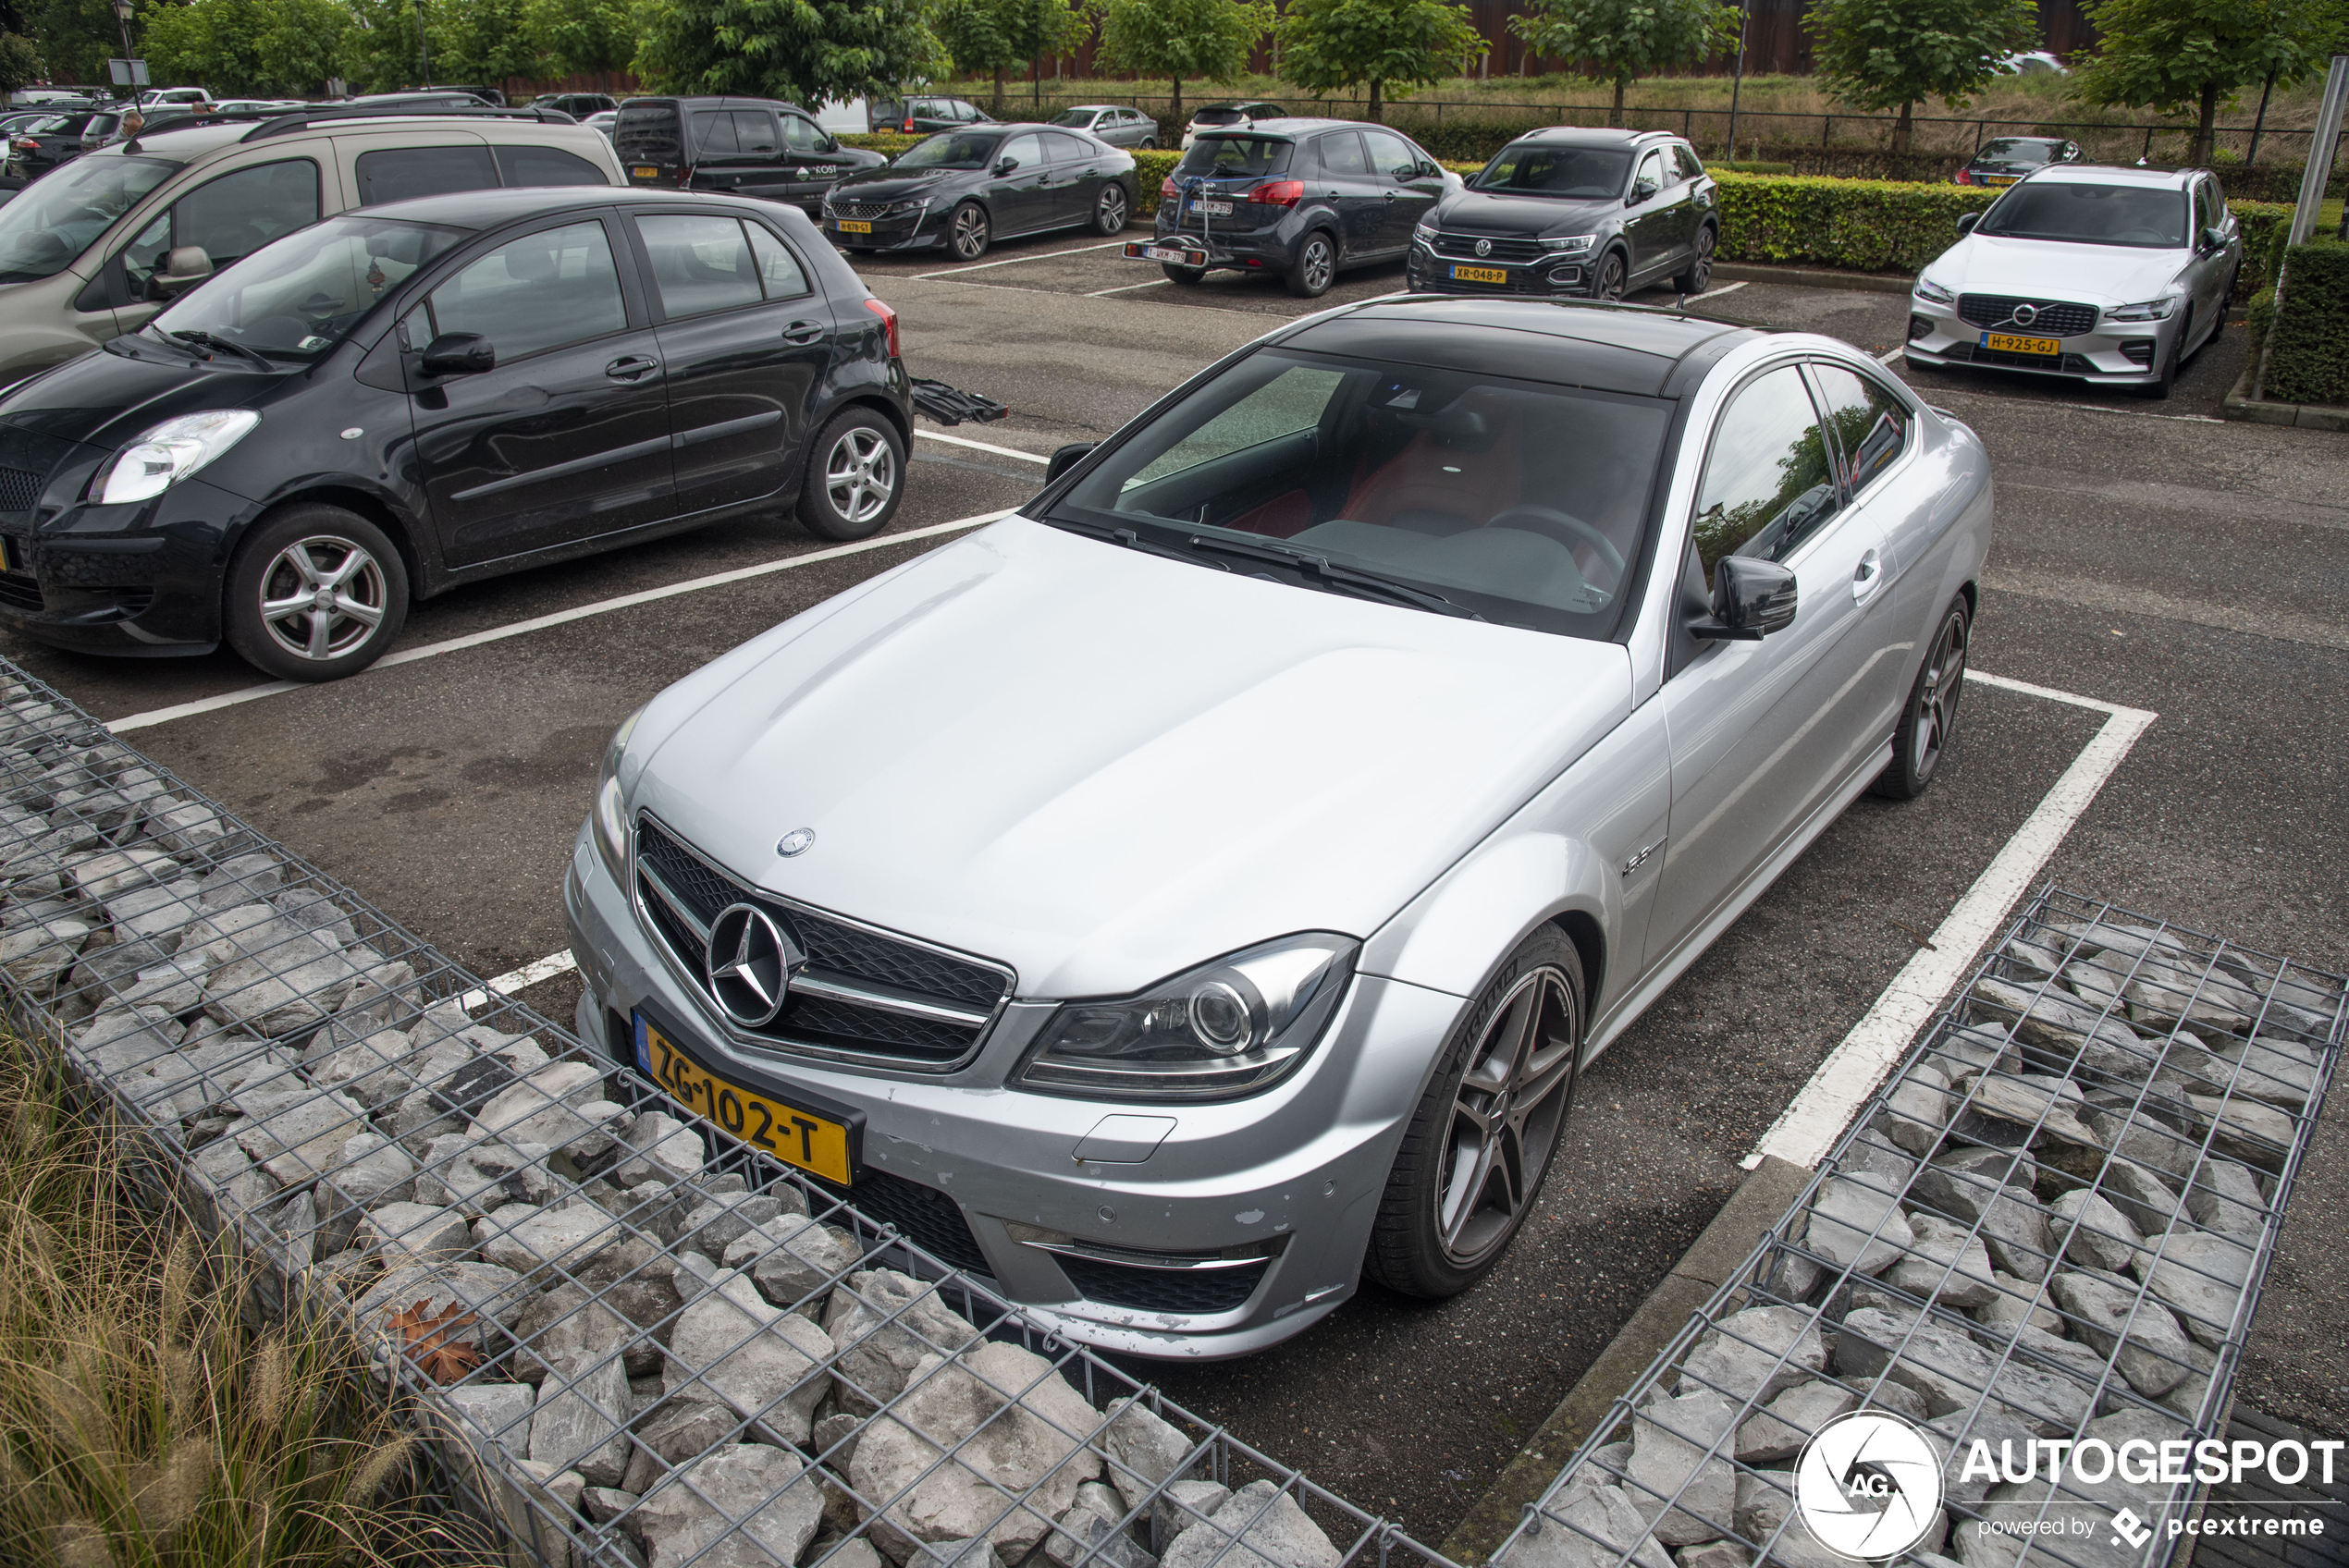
(1871, 424)
(1342, 154)
(237, 214)
(801, 135)
(1391, 155)
(1689, 168)
(699, 263)
(394, 174)
(539, 292)
(546, 165)
(1766, 481)
(1651, 171)
(1064, 149)
(1025, 150)
(777, 268)
(713, 134)
(754, 132)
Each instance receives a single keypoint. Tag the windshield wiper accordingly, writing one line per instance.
(1132, 541)
(1336, 578)
(206, 340)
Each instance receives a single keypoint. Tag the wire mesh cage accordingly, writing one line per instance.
(632, 1340)
(2040, 1245)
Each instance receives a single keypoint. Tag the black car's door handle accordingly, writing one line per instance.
(1392, 194)
(631, 367)
(802, 332)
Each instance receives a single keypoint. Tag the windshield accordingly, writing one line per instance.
(951, 149)
(1529, 168)
(2090, 214)
(1078, 119)
(1234, 157)
(1519, 502)
(297, 297)
(57, 215)
(1218, 117)
(2015, 150)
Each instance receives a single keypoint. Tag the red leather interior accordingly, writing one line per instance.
(1468, 478)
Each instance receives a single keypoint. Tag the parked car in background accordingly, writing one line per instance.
(490, 95)
(740, 146)
(58, 98)
(45, 144)
(2115, 276)
(1569, 210)
(1302, 198)
(2006, 159)
(260, 105)
(19, 119)
(183, 96)
(965, 190)
(2035, 62)
(396, 401)
(607, 122)
(923, 113)
(1229, 117)
(437, 98)
(578, 105)
(1113, 123)
(97, 248)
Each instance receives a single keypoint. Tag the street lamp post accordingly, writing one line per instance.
(423, 45)
(123, 11)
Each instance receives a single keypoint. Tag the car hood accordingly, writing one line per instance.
(1103, 766)
(1478, 212)
(2042, 269)
(108, 399)
(886, 184)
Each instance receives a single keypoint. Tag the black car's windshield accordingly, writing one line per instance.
(1234, 157)
(2090, 214)
(951, 150)
(2015, 150)
(297, 297)
(57, 215)
(1519, 502)
(1529, 168)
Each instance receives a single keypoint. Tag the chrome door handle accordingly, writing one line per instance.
(802, 332)
(1865, 579)
(631, 367)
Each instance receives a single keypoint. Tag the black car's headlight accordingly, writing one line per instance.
(610, 814)
(1568, 244)
(1231, 1027)
(168, 453)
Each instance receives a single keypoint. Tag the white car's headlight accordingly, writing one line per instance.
(2151, 310)
(1230, 1027)
(167, 453)
(1933, 293)
(611, 811)
(1569, 245)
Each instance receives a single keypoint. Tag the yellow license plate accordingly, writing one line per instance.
(816, 1144)
(641, 172)
(11, 558)
(850, 225)
(2006, 343)
(2000, 178)
(1481, 275)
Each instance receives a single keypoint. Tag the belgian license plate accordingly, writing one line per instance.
(1212, 209)
(1139, 251)
(1479, 274)
(2006, 343)
(643, 172)
(850, 225)
(821, 1145)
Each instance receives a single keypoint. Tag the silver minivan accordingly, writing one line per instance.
(98, 247)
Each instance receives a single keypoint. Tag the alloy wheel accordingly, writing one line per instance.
(1610, 285)
(1320, 265)
(970, 233)
(1111, 215)
(322, 598)
(860, 474)
(1506, 1116)
(1938, 698)
(1700, 265)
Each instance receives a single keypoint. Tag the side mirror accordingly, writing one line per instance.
(1068, 457)
(1005, 166)
(2214, 238)
(1966, 221)
(1751, 598)
(459, 353)
(1644, 190)
(183, 268)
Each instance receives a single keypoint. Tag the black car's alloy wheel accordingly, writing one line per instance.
(966, 231)
(1315, 268)
(856, 477)
(1929, 720)
(316, 592)
(1609, 285)
(1488, 1126)
(1699, 276)
(1109, 213)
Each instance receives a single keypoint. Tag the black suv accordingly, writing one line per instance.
(1302, 198)
(407, 398)
(2004, 159)
(742, 146)
(1572, 211)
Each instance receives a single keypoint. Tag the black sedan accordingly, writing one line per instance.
(966, 189)
(416, 395)
(2009, 158)
(36, 149)
(1566, 212)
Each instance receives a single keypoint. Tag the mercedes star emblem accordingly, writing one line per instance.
(2025, 314)
(795, 842)
(750, 963)
(1484, 246)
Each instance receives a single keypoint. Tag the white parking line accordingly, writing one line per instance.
(521, 979)
(1816, 1117)
(980, 445)
(1725, 288)
(2144, 414)
(560, 617)
(1129, 288)
(1014, 260)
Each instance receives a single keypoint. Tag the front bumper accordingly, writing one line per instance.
(2115, 353)
(921, 230)
(140, 580)
(967, 1162)
(1555, 278)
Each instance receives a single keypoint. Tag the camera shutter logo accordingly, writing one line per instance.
(1868, 1486)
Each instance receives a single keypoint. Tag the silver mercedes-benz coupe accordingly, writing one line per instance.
(1199, 892)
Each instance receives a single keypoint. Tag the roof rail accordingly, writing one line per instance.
(299, 119)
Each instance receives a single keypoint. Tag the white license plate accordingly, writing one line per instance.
(1212, 209)
(1168, 254)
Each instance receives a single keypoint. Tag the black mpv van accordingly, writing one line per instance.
(742, 146)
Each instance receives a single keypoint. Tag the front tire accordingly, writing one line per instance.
(968, 231)
(1611, 278)
(316, 592)
(1488, 1126)
(856, 477)
(1699, 276)
(1929, 718)
(1315, 269)
(1110, 212)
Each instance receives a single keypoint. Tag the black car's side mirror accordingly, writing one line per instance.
(1068, 457)
(1751, 598)
(1966, 221)
(459, 353)
(1005, 166)
(183, 267)
(1644, 190)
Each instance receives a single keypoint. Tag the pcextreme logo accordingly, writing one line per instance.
(1868, 1486)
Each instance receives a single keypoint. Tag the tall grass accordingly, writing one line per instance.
(145, 1421)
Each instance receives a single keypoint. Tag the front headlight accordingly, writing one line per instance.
(1569, 245)
(1231, 1027)
(168, 453)
(1426, 229)
(2151, 310)
(1933, 293)
(611, 811)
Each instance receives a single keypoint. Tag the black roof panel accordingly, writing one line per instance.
(1608, 348)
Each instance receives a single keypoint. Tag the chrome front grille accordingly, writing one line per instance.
(863, 993)
(1462, 247)
(2059, 318)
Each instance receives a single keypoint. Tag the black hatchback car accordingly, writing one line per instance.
(742, 146)
(2004, 159)
(1572, 212)
(966, 189)
(408, 397)
(1301, 198)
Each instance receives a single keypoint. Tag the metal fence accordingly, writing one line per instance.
(634, 1342)
(2051, 1227)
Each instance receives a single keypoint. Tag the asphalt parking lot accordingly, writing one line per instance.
(2147, 555)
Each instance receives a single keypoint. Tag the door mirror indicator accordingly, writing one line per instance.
(1068, 457)
(1966, 221)
(183, 268)
(459, 353)
(1751, 598)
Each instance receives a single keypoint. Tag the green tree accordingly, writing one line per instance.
(1328, 44)
(482, 42)
(1182, 39)
(380, 52)
(19, 61)
(806, 51)
(580, 37)
(247, 48)
(1621, 41)
(994, 35)
(1892, 54)
(2184, 57)
(303, 47)
(76, 38)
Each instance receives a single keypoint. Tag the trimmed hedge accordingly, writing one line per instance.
(2306, 336)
